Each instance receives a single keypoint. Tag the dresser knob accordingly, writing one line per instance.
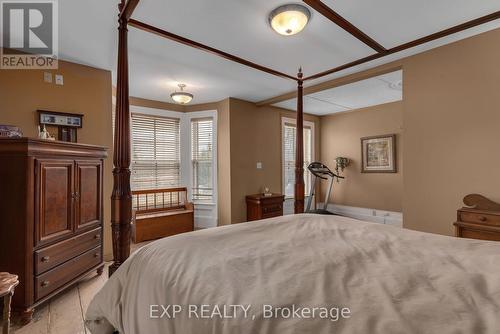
(97, 236)
(96, 255)
(45, 259)
(45, 283)
(482, 218)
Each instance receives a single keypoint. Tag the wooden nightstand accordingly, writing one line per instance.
(480, 220)
(262, 207)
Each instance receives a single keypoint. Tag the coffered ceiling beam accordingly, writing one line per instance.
(417, 42)
(447, 32)
(344, 24)
(179, 39)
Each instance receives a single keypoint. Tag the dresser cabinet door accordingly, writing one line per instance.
(54, 200)
(88, 193)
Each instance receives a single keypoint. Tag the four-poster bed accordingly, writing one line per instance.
(121, 202)
(392, 280)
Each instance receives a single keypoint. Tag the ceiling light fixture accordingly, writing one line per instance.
(289, 19)
(181, 97)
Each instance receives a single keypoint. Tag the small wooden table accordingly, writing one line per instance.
(262, 207)
(8, 283)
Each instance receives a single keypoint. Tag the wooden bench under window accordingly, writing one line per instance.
(160, 213)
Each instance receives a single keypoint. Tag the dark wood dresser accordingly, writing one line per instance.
(479, 220)
(262, 207)
(50, 216)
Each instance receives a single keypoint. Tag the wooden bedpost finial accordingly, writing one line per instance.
(300, 75)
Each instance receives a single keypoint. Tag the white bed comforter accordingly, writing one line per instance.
(391, 280)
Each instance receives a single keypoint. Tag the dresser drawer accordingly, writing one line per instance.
(57, 277)
(480, 218)
(52, 256)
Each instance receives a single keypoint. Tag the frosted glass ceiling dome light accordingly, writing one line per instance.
(289, 19)
(181, 97)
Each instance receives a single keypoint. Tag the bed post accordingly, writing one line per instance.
(121, 198)
(299, 148)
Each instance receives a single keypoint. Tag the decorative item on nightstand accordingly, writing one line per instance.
(479, 220)
(261, 206)
(267, 192)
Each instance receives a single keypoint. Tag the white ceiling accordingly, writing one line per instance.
(88, 35)
(370, 92)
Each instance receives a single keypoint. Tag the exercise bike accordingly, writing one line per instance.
(321, 172)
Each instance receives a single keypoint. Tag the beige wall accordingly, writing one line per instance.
(223, 162)
(340, 136)
(452, 130)
(256, 137)
(86, 91)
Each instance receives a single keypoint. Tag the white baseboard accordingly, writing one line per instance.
(205, 215)
(204, 222)
(370, 215)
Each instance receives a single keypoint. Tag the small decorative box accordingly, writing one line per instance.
(9, 131)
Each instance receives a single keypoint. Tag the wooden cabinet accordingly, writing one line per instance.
(53, 200)
(88, 199)
(262, 207)
(51, 207)
(481, 220)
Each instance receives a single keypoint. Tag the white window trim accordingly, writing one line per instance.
(201, 114)
(287, 120)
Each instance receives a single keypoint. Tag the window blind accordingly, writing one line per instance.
(202, 158)
(155, 152)
(289, 144)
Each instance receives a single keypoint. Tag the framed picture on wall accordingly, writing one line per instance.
(378, 154)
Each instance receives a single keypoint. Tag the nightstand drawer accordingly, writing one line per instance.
(480, 218)
(472, 233)
(262, 207)
(273, 208)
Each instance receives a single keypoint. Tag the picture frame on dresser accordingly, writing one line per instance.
(67, 123)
